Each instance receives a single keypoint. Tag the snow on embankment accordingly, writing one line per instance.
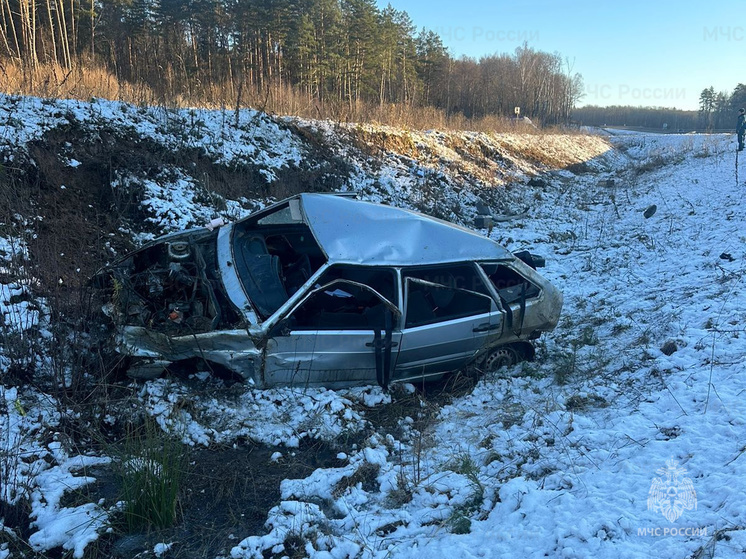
(133, 173)
(164, 169)
(481, 158)
(454, 174)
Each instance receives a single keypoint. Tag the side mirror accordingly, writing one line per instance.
(533, 260)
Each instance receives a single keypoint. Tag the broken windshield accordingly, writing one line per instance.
(274, 260)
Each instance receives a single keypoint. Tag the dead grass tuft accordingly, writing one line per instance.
(365, 475)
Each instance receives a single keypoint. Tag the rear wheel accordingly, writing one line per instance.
(499, 358)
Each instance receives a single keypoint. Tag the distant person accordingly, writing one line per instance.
(741, 128)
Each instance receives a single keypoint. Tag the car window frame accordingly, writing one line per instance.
(396, 312)
(502, 301)
(493, 307)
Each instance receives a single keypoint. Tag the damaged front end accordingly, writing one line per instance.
(169, 305)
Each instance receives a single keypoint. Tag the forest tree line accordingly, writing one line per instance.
(334, 54)
(717, 111)
(655, 118)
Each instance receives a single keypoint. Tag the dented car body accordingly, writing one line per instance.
(326, 290)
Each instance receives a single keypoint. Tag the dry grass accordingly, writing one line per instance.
(490, 158)
(85, 81)
(553, 149)
(81, 82)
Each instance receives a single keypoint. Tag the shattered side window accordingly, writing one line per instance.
(341, 305)
(510, 285)
(428, 303)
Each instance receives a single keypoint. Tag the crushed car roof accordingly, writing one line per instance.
(352, 231)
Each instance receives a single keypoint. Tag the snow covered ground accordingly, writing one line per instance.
(606, 446)
(625, 438)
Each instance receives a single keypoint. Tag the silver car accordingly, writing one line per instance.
(326, 290)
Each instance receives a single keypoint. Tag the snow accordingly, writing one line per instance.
(161, 548)
(564, 450)
(254, 136)
(281, 416)
(43, 474)
(554, 458)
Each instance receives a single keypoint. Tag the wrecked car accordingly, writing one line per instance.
(327, 290)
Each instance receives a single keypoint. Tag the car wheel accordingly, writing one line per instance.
(499, 358)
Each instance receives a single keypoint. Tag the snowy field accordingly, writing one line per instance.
(625, 438)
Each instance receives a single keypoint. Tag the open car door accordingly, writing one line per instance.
(343, 333)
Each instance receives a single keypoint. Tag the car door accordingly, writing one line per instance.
(341, 334)
(444, 328)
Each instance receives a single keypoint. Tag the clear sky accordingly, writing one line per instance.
(629, 52)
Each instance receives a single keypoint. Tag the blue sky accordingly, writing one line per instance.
(633, 52)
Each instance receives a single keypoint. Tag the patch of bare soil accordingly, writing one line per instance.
(227, 494)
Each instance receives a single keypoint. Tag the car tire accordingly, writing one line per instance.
(499, 358)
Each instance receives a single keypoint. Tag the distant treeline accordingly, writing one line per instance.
(720, 110)
(636, 117)
(332, 53)
(717, 111)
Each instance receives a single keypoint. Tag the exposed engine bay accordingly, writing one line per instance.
(172, 287)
